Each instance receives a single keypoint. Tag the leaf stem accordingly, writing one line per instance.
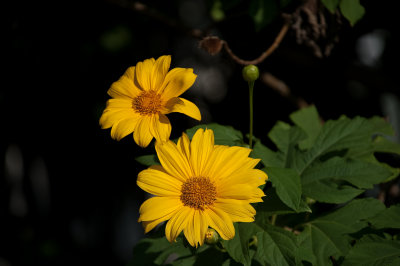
(273, 219)
(251, 89)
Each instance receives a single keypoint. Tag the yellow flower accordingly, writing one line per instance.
(198, 185)
(143, 96)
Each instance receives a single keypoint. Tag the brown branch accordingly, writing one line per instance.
(283, 89)
(265, 54)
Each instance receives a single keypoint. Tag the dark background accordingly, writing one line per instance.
(68, 193)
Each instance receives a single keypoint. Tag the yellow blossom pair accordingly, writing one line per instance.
(198, 184)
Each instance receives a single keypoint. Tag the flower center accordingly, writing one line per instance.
(198, 193)
(147, 103)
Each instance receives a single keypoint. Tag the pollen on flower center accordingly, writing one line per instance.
(147, 103)
(198, 193)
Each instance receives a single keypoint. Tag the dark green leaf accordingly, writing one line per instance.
(374, 250)
(287, 184)
(308, 120)
(353, 135)
(286, 138)
(389, 218)
(352, 10)
(223, 135)
(155, 251)
(276, 246)
(263, 12)
(148, 160)
(331, 5)
(238, 247)
(273, 205)
(331, 192)
(329, 235)
(322, 181)
(268, 157)
(382, 144)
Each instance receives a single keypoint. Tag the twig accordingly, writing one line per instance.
(283, 89)
(265, 54)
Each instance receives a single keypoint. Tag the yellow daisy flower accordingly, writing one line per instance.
(143, 96)
(200, 185)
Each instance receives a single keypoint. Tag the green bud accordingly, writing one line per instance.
(250, 73)
(211, 237)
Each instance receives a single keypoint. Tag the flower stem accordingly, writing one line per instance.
(251, 88)
(273, 219)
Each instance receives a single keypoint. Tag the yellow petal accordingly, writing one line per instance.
(110, 117)
(124, 88)
(130, 73)
(184, 146)
(124, 127)
(201, 147)
(189, 229)
(142, 134)
(177, 81)
(221, 222)
(238, 210)
(200, 226)
(143, 73)
(160, 70)
(119, 103)
(177, 223)
(158, 207)
(173, 161)
(161, 128)
(196, 228)
(149, 225)
(241, 192)
(228, 160)
(183, 106)
(156, 181)
(253, 177)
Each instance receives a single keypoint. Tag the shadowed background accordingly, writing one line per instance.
(68, 192)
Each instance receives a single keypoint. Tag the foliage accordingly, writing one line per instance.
(315, 166)
(264, 12)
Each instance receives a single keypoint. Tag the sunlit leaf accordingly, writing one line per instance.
(352, 10)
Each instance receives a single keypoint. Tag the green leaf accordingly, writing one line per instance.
(352, 10)
(382, 144)
(276, 246)
(272, 204)
(286, 138)
(346, 134)
(238, 247)
(374, 250)
(389, 218)
(268, 157)
(331, 192)
(329, 235)
(223, 135)
(358, 173)
(308, 120)
(148, 160)
(155, 251)
(287, 184)
(263, 12)
(326, 181)
(331, 5)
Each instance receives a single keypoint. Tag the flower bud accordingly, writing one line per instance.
(211, 236)
(250, 73)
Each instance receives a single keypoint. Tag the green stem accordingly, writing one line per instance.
(273, 219)
(251, 87)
